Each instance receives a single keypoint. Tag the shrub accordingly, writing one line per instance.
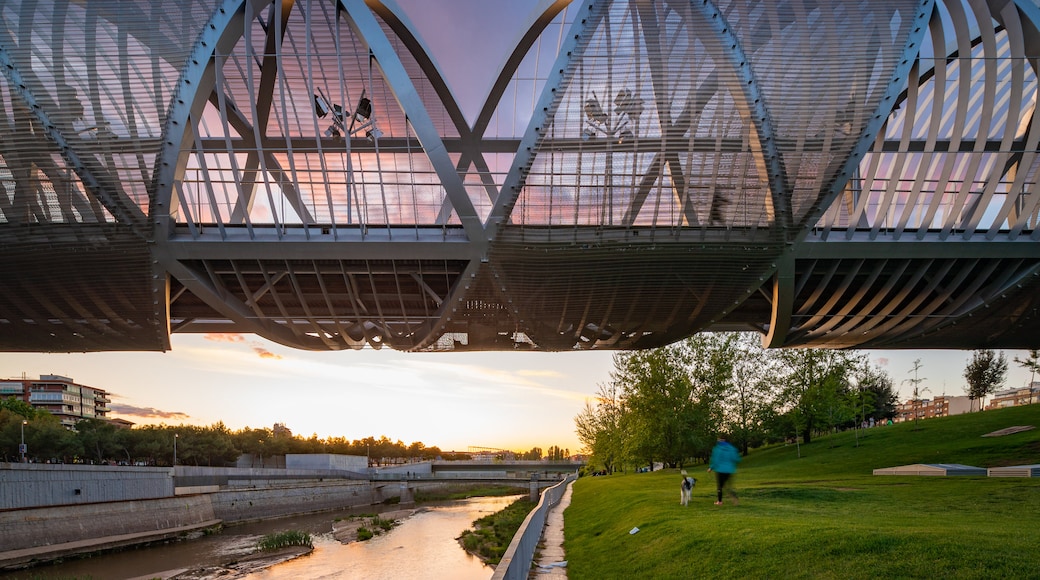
(284, 540)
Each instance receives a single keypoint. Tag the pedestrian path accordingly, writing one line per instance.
(552, 562)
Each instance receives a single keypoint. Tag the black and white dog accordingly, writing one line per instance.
(687, 487)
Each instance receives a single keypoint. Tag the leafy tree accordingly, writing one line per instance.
(20, 407)
(1033, 364)
(880, 394)
(49, 440)
(714, 359)
(751, 392)
(985, 373)
(600, 427)
(658, 393)
(98, 439)
(10, 434)
(814, 387)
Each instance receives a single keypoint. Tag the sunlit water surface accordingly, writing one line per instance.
(423, 546)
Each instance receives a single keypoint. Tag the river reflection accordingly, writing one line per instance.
(422, 546)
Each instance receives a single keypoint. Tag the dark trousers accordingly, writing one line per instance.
(721, 481)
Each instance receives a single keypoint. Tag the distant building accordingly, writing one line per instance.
(326, 461)
(928, 408)
(1015, 397)
(60, 396)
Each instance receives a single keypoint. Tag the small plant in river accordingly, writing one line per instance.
(384, 524)
(364, 533)
(284, 540)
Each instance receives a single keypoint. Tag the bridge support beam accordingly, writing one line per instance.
(407, 494)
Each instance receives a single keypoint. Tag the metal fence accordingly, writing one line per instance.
(516, 563)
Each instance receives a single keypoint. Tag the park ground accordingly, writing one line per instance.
(818, 512)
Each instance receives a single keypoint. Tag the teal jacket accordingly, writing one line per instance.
(724, 458)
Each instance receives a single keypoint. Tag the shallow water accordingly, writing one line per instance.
(422, 546)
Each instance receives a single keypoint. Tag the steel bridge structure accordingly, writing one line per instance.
(546, 175)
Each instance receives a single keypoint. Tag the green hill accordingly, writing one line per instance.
(824, 515)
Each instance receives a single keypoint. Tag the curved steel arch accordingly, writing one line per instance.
(587, 242)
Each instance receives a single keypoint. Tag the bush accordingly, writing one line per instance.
(284, 540)
(491, 534)
(384, 524)
(364, 533)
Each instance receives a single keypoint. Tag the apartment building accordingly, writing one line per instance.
(938, 407)
(1015, 397)
(60, 396)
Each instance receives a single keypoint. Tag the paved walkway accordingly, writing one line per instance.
(551, 562)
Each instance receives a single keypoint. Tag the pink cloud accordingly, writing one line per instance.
(224, 337)
(147, 412)
(264, 353)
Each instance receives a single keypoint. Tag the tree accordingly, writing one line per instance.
(877, 385)
(916, 383)
(534, 454)
(600, 428)
(751, 393)
(873, 396)
(98, 439)
(1033, 364)
(658, 394)
(715, 359)
(20, 407)
(985, 373)
(815, 386)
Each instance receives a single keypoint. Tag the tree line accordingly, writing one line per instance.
(669, 404)
(99, 441)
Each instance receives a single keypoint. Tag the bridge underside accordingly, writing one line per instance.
(831, 174)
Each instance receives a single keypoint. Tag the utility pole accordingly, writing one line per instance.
(21, 448)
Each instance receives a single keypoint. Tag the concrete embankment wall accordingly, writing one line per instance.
(34, 527)
(241, 505)
(187, 475)
(53, 526)
(31, 485)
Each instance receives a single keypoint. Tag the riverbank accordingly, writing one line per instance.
(237, 568)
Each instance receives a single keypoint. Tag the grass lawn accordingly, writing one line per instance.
(824, 515)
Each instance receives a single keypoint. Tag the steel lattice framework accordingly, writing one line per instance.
(836, 173)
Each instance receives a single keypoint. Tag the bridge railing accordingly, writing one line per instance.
(516, 562)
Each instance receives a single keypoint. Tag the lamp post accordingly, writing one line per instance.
(175, 437)
(22, 448)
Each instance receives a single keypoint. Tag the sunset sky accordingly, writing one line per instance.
(451, 400)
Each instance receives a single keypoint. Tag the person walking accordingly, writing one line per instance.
(724, 460)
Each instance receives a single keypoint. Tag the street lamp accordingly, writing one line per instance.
(175, 436)
(22, 448)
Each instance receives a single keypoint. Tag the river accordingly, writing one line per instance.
(422, 546)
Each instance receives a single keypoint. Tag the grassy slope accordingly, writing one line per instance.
(824, 515)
